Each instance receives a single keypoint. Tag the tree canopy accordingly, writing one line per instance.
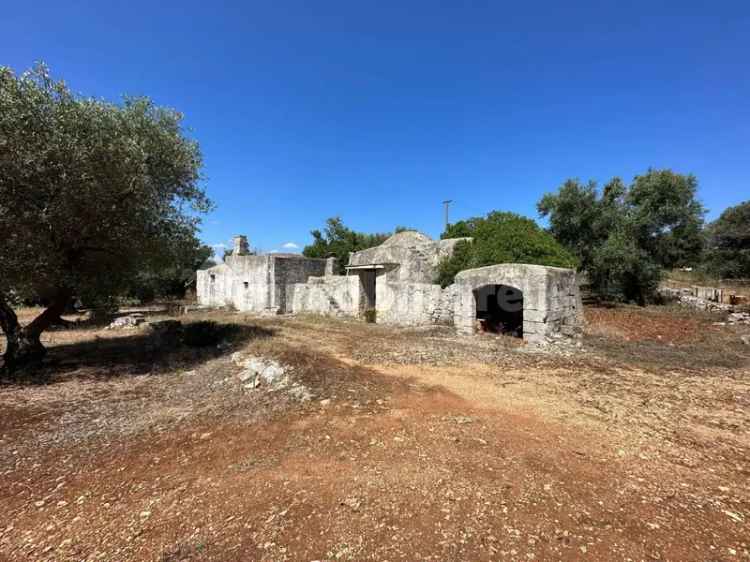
(727, 252)
(337, 240)
(626, 235)
(501, 238)
(92, 194)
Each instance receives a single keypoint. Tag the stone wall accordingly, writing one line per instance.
(213, 286)
(255, 283)
(251, 282)
(552, 304)
(414, 304)
(335, 295)
(412, 256)
(291, 270)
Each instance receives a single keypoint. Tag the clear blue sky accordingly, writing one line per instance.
(377, 111)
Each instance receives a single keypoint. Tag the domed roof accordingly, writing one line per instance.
(407, 238)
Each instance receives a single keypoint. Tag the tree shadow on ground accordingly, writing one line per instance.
(88, 318)
(147, 351)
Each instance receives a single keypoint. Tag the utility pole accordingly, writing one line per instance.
(445, 204)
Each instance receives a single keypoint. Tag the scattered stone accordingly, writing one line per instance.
(745, 339)
(735, 516)
(300, 392)
(246, 375)
(128, 322)
(738, 318)
(352, 503)
(259, 371)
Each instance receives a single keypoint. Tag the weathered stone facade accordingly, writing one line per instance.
(551, 302)
(396, 281)
(255, 283)
(333, 295)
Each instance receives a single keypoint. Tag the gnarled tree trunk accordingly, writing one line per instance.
(24, 346)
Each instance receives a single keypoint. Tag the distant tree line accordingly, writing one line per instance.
(626, 236)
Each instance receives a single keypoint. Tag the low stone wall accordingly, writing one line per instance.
(732, 296)
(706, 299)
(415, 304)
(335, 295)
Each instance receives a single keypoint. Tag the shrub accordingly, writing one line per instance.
(501, 238)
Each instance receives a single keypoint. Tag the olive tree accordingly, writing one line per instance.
(92, 194)
(727, 253)
(626, 235)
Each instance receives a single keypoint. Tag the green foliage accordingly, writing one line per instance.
(621, 270)
(338, 241)
(171, 282)
(501, 238)
(625, 236)
(371, 315)
(580, 219)
(666, 217)
(727, 252)
(92, 194)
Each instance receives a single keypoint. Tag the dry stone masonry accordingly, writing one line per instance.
(394, 283)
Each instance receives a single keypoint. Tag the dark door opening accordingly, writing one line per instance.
(500, 309)
(367, 278)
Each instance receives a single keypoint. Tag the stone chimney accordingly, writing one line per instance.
(241, 247)
(331, 267)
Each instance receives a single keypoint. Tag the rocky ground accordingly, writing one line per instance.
(319, 439)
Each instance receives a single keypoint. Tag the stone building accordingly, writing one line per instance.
(396, 281)
(252, 282)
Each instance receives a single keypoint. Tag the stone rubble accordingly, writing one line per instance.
(262, 372)
(686, 297)
(739, 318)
(128, 322)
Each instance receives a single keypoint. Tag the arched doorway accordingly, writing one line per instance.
(499, 309)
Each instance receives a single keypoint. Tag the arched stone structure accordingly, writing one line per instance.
(552, 305)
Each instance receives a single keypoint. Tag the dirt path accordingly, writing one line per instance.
(520, 459)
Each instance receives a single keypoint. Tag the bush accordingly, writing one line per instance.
(501, 238)
(371, 316)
